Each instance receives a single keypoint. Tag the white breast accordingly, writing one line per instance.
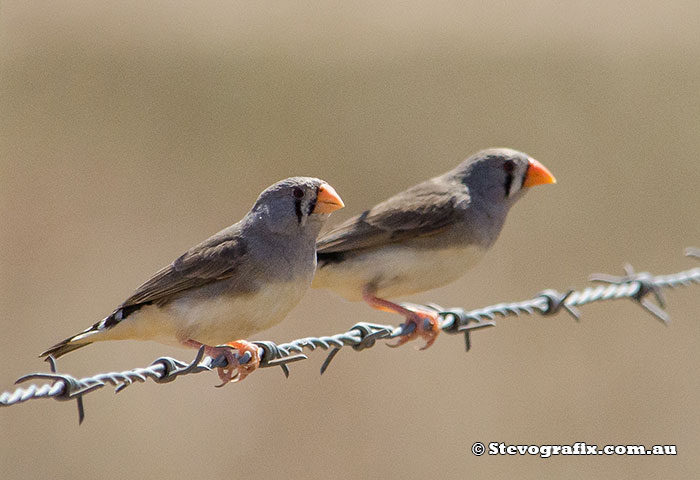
(210, 320)
(396, 270)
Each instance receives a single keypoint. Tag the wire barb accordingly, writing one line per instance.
(361, 336)
(274, 356)
(367, 334)
(646, 285)
(556, 301)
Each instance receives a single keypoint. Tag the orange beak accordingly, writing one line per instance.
(327, 200)
(537, 174)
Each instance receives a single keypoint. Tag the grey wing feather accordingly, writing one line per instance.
(214, 259)
(424, 209)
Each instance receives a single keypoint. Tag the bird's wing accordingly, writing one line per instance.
(214, 259)
(425, 209)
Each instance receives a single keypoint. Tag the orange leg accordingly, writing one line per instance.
(234, 371)
(427, 322)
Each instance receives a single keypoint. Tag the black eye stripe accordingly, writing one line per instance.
(297, 209)
(509, 168)
(312, 203)
(310, 208)
(507, 184)
(527, 169)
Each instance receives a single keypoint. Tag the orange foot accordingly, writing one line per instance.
(427, 326)
(234, 371)
(427, 322)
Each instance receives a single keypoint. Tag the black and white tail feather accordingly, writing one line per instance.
(82, 339)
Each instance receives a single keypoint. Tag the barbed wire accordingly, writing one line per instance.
(635, 286)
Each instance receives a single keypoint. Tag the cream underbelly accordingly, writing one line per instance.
(396, 270)
(211, 321)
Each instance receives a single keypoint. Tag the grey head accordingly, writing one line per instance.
(500, 176)
(495, 179)
(294, 205)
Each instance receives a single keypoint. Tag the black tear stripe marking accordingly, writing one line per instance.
(527, 169)
(312, 203)
(297, 209)
(508, 183)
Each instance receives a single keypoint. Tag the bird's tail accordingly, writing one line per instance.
(73, 343)
(61, 348)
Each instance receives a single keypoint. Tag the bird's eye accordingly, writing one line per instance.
(509, 166)
(298, 192)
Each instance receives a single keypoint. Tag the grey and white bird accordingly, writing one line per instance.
(242, 280)
(426, 236)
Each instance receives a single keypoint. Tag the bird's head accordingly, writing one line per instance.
(296, 203)
(501, 175)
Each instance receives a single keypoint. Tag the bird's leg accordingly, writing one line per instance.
(427, 322)
(234, 371)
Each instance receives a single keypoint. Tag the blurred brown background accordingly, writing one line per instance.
(133, 130)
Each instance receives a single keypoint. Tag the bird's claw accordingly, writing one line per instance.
(239, 365)
(420, 323)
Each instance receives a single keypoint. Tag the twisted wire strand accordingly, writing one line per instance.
(635, 286)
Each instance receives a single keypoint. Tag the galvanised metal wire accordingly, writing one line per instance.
(635, 286)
